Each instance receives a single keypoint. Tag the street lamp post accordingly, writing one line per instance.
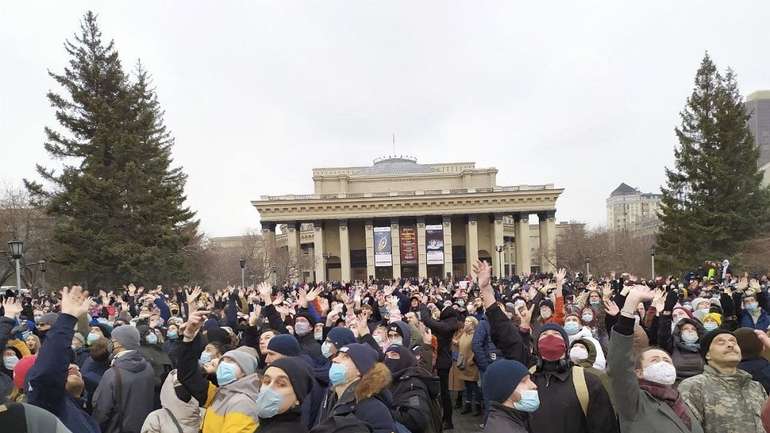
(588, 266)
(243, 273)
(499, 250)
(652, 262)
(17, 251)
(43, 265)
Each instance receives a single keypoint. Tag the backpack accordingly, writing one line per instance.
(426, 389)
(342, 424)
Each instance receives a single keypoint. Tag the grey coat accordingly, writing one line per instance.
(639, 412)
(503, 419)
(125, 413)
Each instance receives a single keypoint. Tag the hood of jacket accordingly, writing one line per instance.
(406, 332)
(596, 358)
(133, 362)
(676, 335)
(186, 412)
(376, 380)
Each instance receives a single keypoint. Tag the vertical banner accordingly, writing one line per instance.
(408, 242)
(434, 244)
(383, 247)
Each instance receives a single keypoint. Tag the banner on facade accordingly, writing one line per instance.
(408, 243)
(434, 244)
(383, 247)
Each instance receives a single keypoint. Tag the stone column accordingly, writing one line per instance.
(547, 226)
(292, 242)
(268, 246)
(318, 251)
(369, 235)
(344, 251)
(497, 240)
(447, 221)
(523, 260)
(471, 243)
(422, 254)
(395, 247)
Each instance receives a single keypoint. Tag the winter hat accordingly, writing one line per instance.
(219, 335)
(685, 310)
(715, 317)
(48, 319)
(307, 316)
(249, 350)
(546, 303)
(749, 343)
(127, 336)
(553, 327)
(501, 378)
(406, 359)
(284, 344)
(339, 336)
(21, 370)
(705, 341)
(244, 360)
(402, 328)
(210, 324)
(299, 375)
(363, 356)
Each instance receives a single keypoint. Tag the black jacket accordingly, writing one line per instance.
(508, 338)
(414, 392)
(759, 368)
(287, 422)
(503, 419)
(373, 410)
(444, 329)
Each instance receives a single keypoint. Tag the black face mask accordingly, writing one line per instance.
(396, 365)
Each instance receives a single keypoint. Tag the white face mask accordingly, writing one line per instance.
(660, 372)
(577, 354)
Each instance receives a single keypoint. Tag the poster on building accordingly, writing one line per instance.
(408, 242)
(434, 244)
(382, 247)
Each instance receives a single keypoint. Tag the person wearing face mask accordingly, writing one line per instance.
(335, 340)
(444, 329)
(303, 331)
(358, 387)
(642, 383)
(712, 321)
(94, 368)
(286, 384)
(754, 313)
(513, 397)
(576, 331)
(724, 398)
(415, 392)
(79, 349)
(170, 343)
(153, 352)
(683, 342)
(230, 404)
(583, 353)
(180, 412)
(121, 400)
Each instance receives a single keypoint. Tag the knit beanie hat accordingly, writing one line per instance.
(299, 375)
(127, 336)
(284, 344)
(48, 319)
(749, 343)
(546, 303)
(244, 360)
(705, 341)
(339, 336)
(363, 356)
(502, 377)
(219, 335)
(715, 317)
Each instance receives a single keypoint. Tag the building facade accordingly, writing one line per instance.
(629, 210)
(758, 107)
(397, 218)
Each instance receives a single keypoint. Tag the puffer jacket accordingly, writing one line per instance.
(368, 399)
(687, 358)
(725, 403)
(229, 408)
(187, 414)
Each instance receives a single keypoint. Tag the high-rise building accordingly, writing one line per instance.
(633, 211)
(758, 107)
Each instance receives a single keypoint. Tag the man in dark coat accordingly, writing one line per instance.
(121, 401)
(415, 391)
(752, 361)
(509, 391)
(444, 329)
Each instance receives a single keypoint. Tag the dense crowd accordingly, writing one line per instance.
(542, 353)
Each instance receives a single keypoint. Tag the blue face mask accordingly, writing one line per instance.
(268, 403)
(226, 373)
(151, 338)
(205, 357)
(326, 349)
(752, 306)
(710, 326)
(337, 373)
(572, 328)
(92, 336)
(529, 402)
(172, 335)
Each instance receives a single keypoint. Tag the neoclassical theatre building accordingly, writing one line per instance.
(398, 218)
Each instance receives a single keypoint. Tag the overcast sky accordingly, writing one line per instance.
(582, 94)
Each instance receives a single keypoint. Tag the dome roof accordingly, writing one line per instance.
(395, 165)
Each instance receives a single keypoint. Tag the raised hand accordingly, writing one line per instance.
(560, 274)
(131, 289)
(483, 272)
(194, 323)
(265, 290)
(11, 307)
(611, 307)
(74, 301)
(526, 316)
(312, 294)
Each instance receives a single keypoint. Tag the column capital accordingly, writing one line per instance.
(546, 215)
(447, 220)
(268, 226)
(343, 223)
(498, 218)
(472, 219)
(394, 222)
(292, 226)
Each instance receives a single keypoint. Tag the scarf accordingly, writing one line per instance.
(670, 396)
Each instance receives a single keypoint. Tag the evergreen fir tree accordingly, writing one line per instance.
(713, 200)
(119, 206)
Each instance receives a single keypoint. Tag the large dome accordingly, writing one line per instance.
(395, 165)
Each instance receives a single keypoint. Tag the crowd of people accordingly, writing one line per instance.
(542, 353)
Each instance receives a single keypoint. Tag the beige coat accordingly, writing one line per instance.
(465, 347)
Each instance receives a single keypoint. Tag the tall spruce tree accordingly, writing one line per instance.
(713, 200)
(118, 204)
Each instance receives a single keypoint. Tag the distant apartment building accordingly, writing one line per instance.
(758, 107)
(630, 210)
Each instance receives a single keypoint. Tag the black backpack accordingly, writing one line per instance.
(426, 389)
(342, 424)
